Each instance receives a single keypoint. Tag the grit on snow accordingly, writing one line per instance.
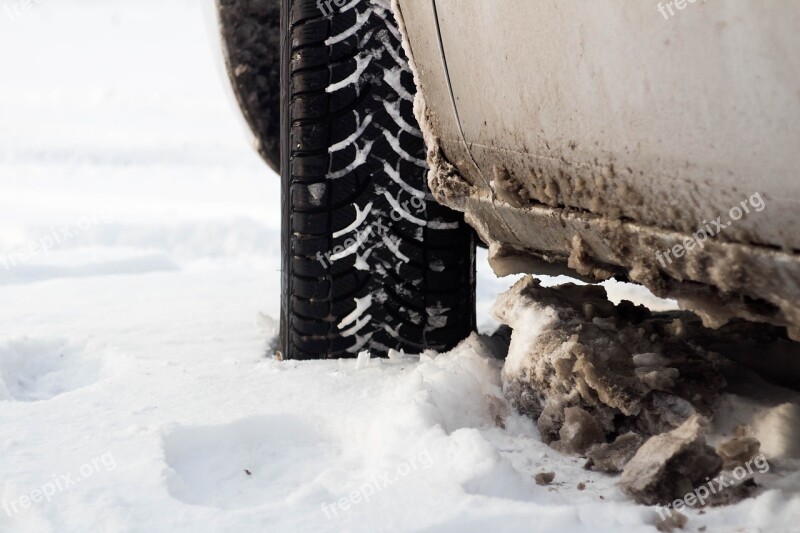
(139, 257)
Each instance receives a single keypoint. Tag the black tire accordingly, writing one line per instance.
(251, 39)
(372, 262)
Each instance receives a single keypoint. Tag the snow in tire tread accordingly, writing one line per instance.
(356, 172)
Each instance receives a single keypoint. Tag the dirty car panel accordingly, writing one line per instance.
(606, 139)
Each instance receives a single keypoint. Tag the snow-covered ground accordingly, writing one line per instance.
(139, 258)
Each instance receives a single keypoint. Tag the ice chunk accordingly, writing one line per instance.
(671, 465)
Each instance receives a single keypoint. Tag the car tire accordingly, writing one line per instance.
(371, 261)
(251, 47)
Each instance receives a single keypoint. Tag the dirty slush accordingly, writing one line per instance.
(632, 391)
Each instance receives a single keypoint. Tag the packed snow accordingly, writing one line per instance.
(139, 272)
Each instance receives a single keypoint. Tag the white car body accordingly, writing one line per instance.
(653, 142)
